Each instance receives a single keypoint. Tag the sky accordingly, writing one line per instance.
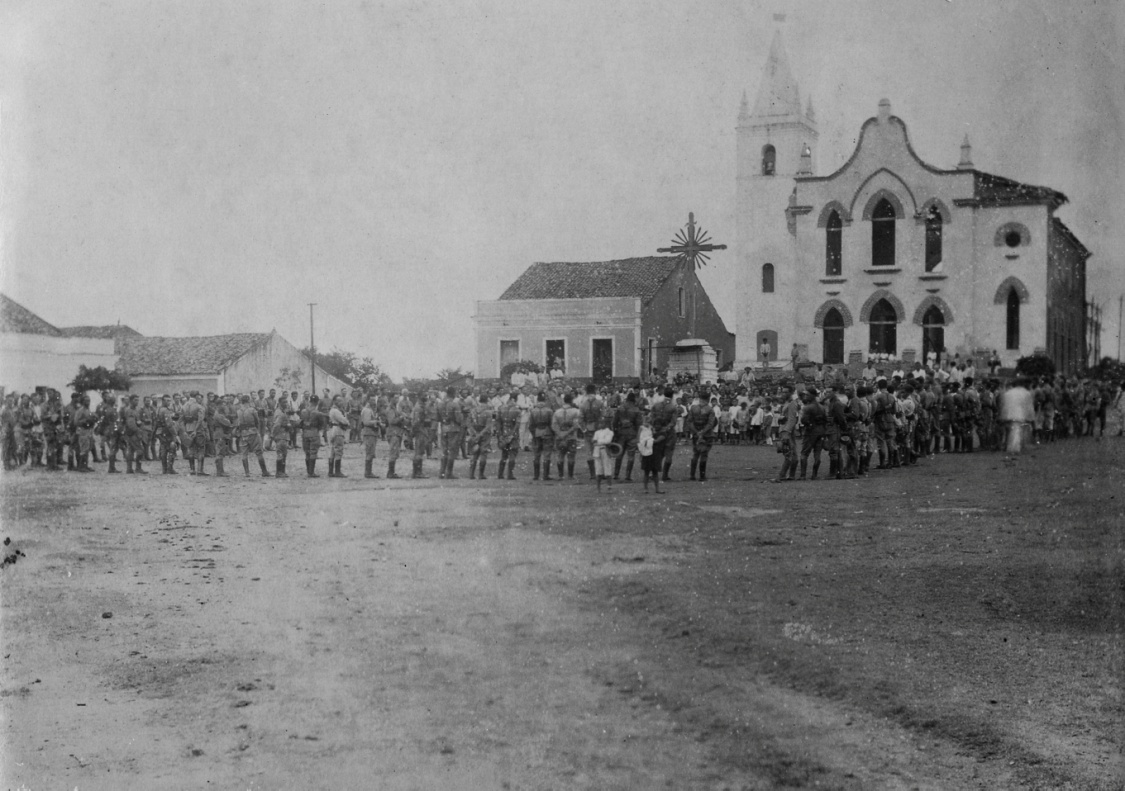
(189, 167)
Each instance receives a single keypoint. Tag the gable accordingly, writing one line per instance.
(14, 317)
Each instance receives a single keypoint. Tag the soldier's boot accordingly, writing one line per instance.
(503, 461)
(559, 466)
(391, 471)
(279, 469)
(246, 467)
(219, 471)
(85, 465)
(511, 466)
(200, 471)
(482, 461)
(570, 469)
(418, 469)
(473, 469)
(784, 474)
(590, 465)
(367, 473)
(137, 467)
(70, 461)
(695, 464)
(815, 469)
(535, 467)
(629, 470)
(547, 470)
(312, 469)
(617, 468)
(804, 467)
(284, 469)
(449, 476)
(113, 465)
(702, 470)
(667, 469)
(191, 462)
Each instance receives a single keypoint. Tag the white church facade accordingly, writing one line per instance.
(890, 255)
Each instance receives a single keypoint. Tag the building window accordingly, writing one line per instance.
(833, 245)
(883, 234)
(1013, 319)
(883, 323)
(933, 239)
(601, 359)
(509, 352)
(767, 279)
(769, 160)
(556, 355)
(650, 356)
(680, 297)
(933, 332)
(833, 330)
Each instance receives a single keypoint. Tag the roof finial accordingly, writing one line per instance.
(884, 110)
(966, 162)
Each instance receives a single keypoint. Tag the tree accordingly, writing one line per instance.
(288, 379)
(99, 379)
(349, 368)
(1035, 365)
(452, 376)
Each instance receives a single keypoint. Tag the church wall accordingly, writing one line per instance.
(577, 321)
(662, 322)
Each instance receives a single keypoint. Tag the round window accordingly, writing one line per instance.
(1013, 238)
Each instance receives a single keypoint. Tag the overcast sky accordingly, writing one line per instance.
(190, 167)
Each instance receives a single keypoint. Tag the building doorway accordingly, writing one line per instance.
(602, 362)
(884, 325)
(833, 329)
(933, 332)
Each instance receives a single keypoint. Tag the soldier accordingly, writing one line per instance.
(279, 433)
(132, 436)
(662, 419)
(338, 428)
(28, 423)
(508, 420)
(590, 416)
(71, 434)
(396, 416)
(8, 441)
(356, 404)
(147, 420)
(247, 422)
(626, 428)
(84, 422)
(835, 431)
(700, 426)
(815, 422)
(787, 437)
(222, 420)
(542, 437)
(110, 429)
(166, 419)
(565, 424)
(420, 424)
(452, 417)
(194, 433)
(271, 411)
(312, 420)
(53, 430)
(478, 435)
(369, 431)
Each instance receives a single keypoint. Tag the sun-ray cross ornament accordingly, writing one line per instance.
(693, 245)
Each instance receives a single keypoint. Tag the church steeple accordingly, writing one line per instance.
(778, 94)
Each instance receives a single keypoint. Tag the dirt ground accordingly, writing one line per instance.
(955, 625)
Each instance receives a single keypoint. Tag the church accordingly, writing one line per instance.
(890, 255)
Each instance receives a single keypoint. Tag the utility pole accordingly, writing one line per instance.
(1120, 302)
(312, 347)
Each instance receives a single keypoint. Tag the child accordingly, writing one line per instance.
(603, 464)
(767, 425)
(648, 461)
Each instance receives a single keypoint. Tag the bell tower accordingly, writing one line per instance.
(776, 140)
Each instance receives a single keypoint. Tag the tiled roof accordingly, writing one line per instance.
(993, 190)
(14, 317)
(170, 356)
(629, 277)
(108, 331)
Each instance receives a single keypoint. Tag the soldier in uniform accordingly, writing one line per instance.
(452, 417)
(111, 429)
(787, 437)
(84, 422)
(147, 420)
(420, 423)
(835, 431)
(590, 417)
(338, 428)
(222, 420)
(815, 422)
(396, 415)
(166, 419)
(626, 430)
(71, 430)
(369, 431)
(133, 436)
(312, 420)
(508, 421)
(662, 420)
(8, 442)
(53, 431)
(478, 436)
(279, 432)
(247, 422)
(542, 437)
(28, 420)
(700, 426)
(194, 429)
(565, 424)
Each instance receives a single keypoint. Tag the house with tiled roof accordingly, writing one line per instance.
(890, 255)
(37, 354)
(598, 320)
(235, 363)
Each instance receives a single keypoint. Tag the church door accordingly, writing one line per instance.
(933, 332)
(603, 359)
(833, 330)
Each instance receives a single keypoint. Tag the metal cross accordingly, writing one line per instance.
(693, 246)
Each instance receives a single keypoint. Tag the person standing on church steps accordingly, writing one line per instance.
(508, 420)
(626, 430)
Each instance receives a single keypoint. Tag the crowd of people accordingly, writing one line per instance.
(880, 420)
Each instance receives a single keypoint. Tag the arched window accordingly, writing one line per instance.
(769, 160)
(933, 239)
(834, 237)
(1013, 319)
(883, 323)
(883, 234)
(933, 332)
(767, 278)
(833, 330)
